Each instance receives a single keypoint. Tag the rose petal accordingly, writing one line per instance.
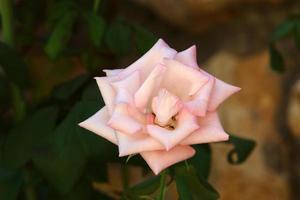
(107, 91)
(181, 80)
(198, 105)
(188, 57)
(131, 82)
(97, 124)
(210, 130)
(165, 105)
(147, 90)
(112, 72)
(148, 61)
(160, 160)
(221, 91)
(132, 144)
(187, 124)
(122, 121)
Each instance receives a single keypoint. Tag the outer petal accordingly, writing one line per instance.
(187, 124)
(221, 91)
(160, 160)
(122, 121)
(132, 144)
(145, 93)
(97, 124)
(130, 83)
(107, 91)
(181, 80)
(198, 105)
(210, 130)
(149, 60)
(188, 57)
(112, 72)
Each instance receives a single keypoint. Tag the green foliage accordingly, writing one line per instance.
(144, 39)
(276, 59)
(290, 27)
(10, 183)
(192, 187)
(27, 137)
(61, 35)
(67, 89)
(241, 151)
(13, 66)
(118, 38)
(202, 160)
(96, 27)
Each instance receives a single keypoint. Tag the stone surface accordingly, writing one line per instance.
(201, 14)
(250, 114)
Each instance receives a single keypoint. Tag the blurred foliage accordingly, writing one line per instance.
(290, 28)
(44, 154)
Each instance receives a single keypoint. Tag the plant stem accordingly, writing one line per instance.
(162, 187)
(29, 190)
(96, 5)
(7, 18)
(18, 103)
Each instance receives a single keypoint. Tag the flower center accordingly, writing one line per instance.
(165, 106)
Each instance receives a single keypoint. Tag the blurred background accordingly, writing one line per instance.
(51, 50)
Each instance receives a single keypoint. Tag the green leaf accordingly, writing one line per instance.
(13, 66)
(276, 59)
(202, 160)
(241, 151)
(96, 26)
(23, 142)
(60, 35)
(192, 187)
(144, 188)
(71, 146)
(283, 30)
(60, 8)
(68, 88)
(144, 39)
(10, 184)
(118, 38)
(297, 34)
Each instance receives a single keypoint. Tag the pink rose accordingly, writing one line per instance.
(159, 106)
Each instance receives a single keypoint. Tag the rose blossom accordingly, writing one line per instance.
(159, 106)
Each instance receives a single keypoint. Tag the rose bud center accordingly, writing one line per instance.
(165, 107)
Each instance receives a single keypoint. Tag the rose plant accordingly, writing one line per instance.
(159, 106)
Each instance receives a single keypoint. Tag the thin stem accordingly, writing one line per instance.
(96, 5)
(18, 103)
(7, 18)
(162, 187)
(29, 189)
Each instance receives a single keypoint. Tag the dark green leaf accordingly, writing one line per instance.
(276, 59)
(65, 160)
(60, 35)
(146, 187)
(10, 184)
(202, 160)
(68, 88)
(92, 93)
(23, 142)
(96, 26)
(118, 38)
(283, 30)
(60, 8)
(192, 187)
(241, 151)
(13, 65)
(297, 34)
(144, 39)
